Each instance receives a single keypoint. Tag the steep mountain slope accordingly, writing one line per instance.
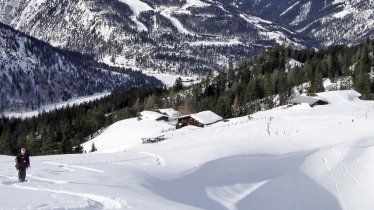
(32, 73)
(325, 22)
(180, 36)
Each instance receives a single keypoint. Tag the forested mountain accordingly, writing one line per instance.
(323, 22)
(33, 73)
(174, 36)
(187, 36)
(270, 80)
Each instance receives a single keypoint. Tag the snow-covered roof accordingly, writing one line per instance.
(169, 112)
(151, 115)
(339, 96)
(305, 99)
(206, 117)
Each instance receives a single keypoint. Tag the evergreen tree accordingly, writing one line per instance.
(236, 107)
(65, 146)
(178, 85)
(48, 145)
(93, 148)
(5, 143)
(31, 145)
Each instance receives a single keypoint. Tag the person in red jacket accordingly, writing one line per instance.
(22, 163)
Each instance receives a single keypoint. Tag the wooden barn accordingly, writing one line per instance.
(200, 119)
(307, 100)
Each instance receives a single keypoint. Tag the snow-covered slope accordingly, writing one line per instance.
(285, 158)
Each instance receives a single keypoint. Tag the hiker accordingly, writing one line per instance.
(22, 163)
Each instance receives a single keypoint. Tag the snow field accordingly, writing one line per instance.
(284, 158)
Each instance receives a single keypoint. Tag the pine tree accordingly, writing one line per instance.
(31, 144)
(136, 105)
(236, 106)
(319, 83)
(178, 85)
(93, 148)
(65, 146)
(150, 102)
(5, 143)
(48, 145)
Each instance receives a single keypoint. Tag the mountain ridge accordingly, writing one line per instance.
(33, 73)
(327, 23)
(162, 36)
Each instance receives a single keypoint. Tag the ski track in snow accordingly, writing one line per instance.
(160, 160)
(68, 167)
(335, 183)
(15, 180)
(356, 180)
(105, 202)
(47, 180)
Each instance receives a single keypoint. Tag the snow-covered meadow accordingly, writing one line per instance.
(286, 158)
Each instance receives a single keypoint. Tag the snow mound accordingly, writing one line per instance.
(126, 133)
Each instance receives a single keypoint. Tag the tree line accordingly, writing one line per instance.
(256, 84)
(62, 131)
(270, 80)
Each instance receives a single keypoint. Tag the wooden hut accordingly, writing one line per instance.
(200, 119)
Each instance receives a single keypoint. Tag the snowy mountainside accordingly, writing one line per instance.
(175, 36)
(285, 158)
(324, 22)
(324, 149)
(34, 74)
